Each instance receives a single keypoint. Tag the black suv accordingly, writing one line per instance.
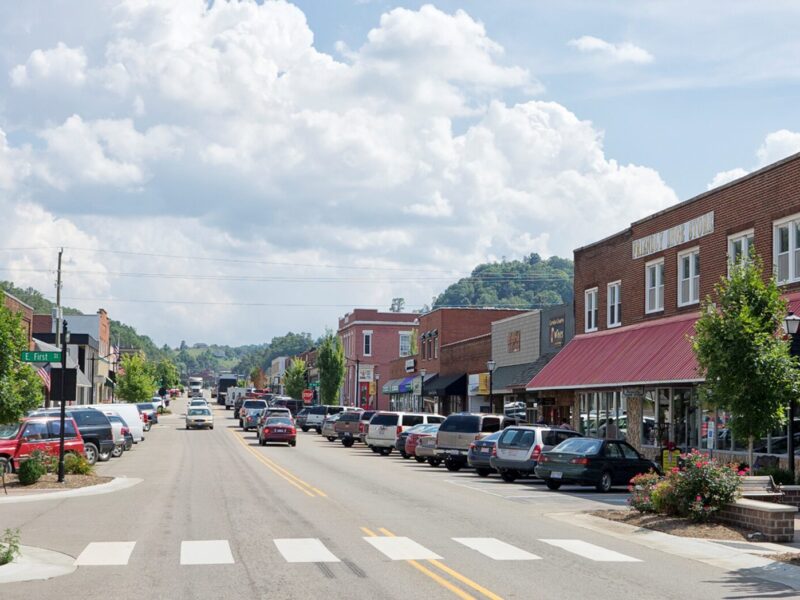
(95, 429)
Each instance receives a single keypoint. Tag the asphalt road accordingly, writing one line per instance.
(324, 521)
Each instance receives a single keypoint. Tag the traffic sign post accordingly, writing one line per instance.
(40, 356)
(308, 396)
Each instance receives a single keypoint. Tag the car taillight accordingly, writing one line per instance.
(399, 429)
(494, 450)
(292, 430)
(125, 431)
(580, 461)
(362, 427)
(544, 459)
(536, 452)
(437, 439)
(472, 446)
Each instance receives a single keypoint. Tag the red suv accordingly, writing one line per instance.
(19, 440)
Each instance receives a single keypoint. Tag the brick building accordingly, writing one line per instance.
(630, 370)
(15, 305)
(371, 340)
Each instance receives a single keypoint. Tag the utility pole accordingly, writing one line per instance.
(58, 299)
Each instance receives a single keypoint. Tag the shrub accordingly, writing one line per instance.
(9, 546)
(31, 470)
(641, 489)
(665, 496)
(49, 461)
(779, 476)
(76, 464)
(703, 486)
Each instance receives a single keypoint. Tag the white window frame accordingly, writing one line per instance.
(366, 334)
(747, 237)
(587, 311)
(647, 309)
(616, 285)
(793, 258)
(693, 279)
(402, 335)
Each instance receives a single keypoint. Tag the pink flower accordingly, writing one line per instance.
(698, 498)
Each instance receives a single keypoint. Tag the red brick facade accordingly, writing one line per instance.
(15, 305)
(466, 356)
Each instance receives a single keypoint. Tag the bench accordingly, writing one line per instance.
(760, 487)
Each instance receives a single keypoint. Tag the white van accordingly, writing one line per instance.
(130, 414)
(233, 394)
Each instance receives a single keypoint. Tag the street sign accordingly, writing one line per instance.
(40, 356)
(308, 396)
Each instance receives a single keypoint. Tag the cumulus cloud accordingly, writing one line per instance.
(724, 177)
(623, 52)
(61, 65)
(777, 145)
(222, 130)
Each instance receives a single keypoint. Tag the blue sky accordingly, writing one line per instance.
(351, 152)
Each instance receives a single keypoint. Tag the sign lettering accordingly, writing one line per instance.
(675, 236)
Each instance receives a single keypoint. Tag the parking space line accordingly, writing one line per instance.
(105, 554)
(590, 551)
(496, 550)
(304, 550)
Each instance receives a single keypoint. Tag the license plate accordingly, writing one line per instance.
(486, 450)
(556, 475)
(279, 431)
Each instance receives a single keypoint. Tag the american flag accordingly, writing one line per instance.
(44, 373)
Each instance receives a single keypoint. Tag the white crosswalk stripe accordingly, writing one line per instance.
(206, 552)
(496, 550)
(401, 548)
(105, 554)
(590, 551)
(304, 550)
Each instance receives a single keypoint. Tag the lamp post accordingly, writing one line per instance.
(422, 373)
(377, 377)
(490, 366)
(64, 343)
(791, 323)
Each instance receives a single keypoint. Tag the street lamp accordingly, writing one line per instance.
(791, 323)
(490, 366)
(422, 373)
(377, 377)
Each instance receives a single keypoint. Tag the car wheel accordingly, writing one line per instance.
(147, 427)
(419, 459)
(384, 451)
(104, 456)
(552, 485)
(245, 428)
(305, 429)
(509, 476)
(319, 430)
(405, 455)
(434, 462)
(117, 451)
(483, 472)
(6, 466)
(293, 444)
(347, 443)
(452, 465)
(331, 438)
(90, 451)
(605, 482)
(212, 427)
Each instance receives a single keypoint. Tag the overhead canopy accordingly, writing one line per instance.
(447, 385)
(391, 386)
(513, 377)
(405, 385)
(646, 353)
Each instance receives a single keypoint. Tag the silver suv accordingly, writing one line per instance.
(518, 449)
(459, 430)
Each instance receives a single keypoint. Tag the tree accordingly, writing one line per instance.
(294, 380)
(258, 377)
(747, 365)
(20, 386)
(136, 383)
(330, 361)
(166, 373)
(398, 304)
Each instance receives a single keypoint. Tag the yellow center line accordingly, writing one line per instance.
(369, 532)
(455, 574)
(270, 467)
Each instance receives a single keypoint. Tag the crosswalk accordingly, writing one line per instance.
(314, 550)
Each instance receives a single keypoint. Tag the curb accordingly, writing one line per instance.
(115, 485)
(701, 550)
(34, 564)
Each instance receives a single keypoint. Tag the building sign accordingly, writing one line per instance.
(514, 341)
(416, 386)
(411, 365)
(365, 373)
(557, 328)
(478, 384)
(675, 236)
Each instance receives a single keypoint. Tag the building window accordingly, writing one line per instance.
(689, 277)
(590, 308)
(740, 248)
(367, 343)
(424, 349)
(436, 347)
(787, 249)
(654, 286)
(514, 341)
(614, 304)
(405, 343)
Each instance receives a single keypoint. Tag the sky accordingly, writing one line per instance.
(230, 171)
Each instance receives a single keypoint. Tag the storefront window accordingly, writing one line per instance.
(649, 419)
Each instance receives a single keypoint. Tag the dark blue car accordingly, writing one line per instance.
(480, 451)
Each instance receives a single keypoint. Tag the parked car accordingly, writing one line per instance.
(589, 461)
(459, 430)
(95, 430)
(300, 417)
(199, 417)
(400, 443)
(480, 453)
(519, 447)
(385, 427)
(329, 427)
(251, 416)
(293, 405)
(119, 429)
(348, 426)
(426, 451)
(414, 437)
(363, 424)
(278, 429)
(150, 412)
(19, 440)
(316, 416)
(247, 404)
(132, 417)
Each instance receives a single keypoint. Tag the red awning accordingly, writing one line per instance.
(647, 353)
(793, 302)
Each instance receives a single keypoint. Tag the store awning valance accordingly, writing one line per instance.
(447, 385)
(405, 385)
(392, 386)
(514, 377)
(651, 353)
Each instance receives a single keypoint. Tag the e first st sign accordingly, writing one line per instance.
(44, 357)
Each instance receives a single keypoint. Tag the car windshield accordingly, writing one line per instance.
(417, 428)
(385, 419)
(199, 411)
(492, 437)
(579, 446)
(9, 431)
(254, 404)
(145, 406)
(279, 421)
(367, 415)
(461, 424)
(517, 438)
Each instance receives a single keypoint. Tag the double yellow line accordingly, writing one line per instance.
(305, 487)
(463, 594)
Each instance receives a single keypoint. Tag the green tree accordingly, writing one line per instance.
(747, 365)
(398, 304)
(166, 373)
(20, 386)
(258, 377)
(137, 381)
(330, 361)
(294, 380)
